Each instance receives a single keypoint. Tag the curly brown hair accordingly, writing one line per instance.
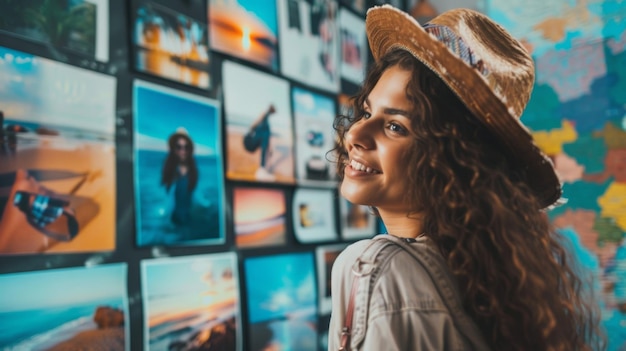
(169, 173)
(516, 279)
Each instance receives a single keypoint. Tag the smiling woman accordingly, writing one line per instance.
(435, 146)
(377, 145)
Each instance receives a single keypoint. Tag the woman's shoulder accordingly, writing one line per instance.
(348, 256)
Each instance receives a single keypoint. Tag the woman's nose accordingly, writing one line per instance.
(360, 135)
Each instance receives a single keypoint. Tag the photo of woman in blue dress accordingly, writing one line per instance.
(180, 175)
(178, 168)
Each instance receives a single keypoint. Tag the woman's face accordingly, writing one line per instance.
(181, 147)
(378, 146)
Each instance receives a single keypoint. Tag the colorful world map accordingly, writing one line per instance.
(577, 114)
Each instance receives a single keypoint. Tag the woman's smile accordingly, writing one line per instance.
(361, 168)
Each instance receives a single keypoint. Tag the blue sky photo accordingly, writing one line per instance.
(280, 285)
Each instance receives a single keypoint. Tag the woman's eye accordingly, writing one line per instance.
(396, 128)
(366, 115)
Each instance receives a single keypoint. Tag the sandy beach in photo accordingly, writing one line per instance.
(242, 165)
(92, 196)
(274, 235)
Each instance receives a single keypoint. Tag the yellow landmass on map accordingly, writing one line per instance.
(552, 29)
(551, 142)
(613, 203)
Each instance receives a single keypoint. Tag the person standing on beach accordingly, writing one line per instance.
(181, 172)
(263, 133)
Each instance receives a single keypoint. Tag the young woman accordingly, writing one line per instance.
(180, 171)
(435, 146)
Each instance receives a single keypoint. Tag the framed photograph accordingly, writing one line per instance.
(309, 42)
(323, 325)
(260, 216)
(79, 27)
(179, 185)
(314, 115)
(357, 221)
(314, 215)
(353, 46)
(246, 29)
(191, 302)
(171, 45)
(345, 104)
(57, 157)
(326, 255)
(282, 302)
(83, 308)
(359, 6)
(258, 125)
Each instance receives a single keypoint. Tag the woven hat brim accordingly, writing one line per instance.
(388, 29)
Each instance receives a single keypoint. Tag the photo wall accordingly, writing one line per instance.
(164, 176)
(165, 181)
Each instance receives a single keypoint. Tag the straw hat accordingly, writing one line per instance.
(484, 66)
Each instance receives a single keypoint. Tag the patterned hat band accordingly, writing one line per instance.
(457, 46)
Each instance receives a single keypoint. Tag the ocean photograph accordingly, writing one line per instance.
(191, 302)
(178, 168)
(65, 309)
(51, 148)
(282, 305)
(171, 45)
(259, 216)
(246, 29)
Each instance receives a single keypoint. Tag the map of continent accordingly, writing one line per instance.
(577, 115)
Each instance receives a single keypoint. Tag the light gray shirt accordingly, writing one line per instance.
(406, 299)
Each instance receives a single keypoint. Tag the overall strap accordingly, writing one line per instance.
(364, 272)
(434, 264)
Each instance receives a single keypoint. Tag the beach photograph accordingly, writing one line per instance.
(325, 256)
(313, 215)
(353, 46)
(259, 128)
(77, 26)
(282, 302)
(357, 221)
(246, 29)
(57, 146)
(179, 187)
(191, 303)
(171, 45)
(313, 117)
(83, 308)
(259, 216)
(309, 42)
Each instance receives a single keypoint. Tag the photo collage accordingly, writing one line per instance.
(167, 179)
